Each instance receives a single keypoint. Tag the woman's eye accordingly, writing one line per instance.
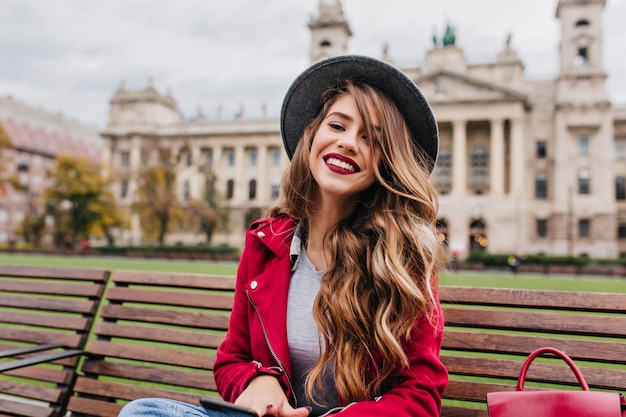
(336, 126)
(365, 138)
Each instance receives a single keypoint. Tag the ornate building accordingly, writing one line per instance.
(36, 137)
(524, 165)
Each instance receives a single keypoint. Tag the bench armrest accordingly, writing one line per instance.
(34, 360)
(28, 349)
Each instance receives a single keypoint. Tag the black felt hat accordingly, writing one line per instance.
(303, 100)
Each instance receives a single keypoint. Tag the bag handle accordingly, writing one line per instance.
(555, 352)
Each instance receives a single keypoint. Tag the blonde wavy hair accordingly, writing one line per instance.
(385, 255)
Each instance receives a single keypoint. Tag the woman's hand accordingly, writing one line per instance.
(265, 396)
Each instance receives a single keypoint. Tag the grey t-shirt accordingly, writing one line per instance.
(302, 334)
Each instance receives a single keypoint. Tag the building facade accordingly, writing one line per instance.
(35, 138)
(524, 165)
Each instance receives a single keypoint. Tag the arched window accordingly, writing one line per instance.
(230, 189)
(541, 185)
(252, 190)
(620, 188)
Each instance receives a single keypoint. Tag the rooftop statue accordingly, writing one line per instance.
(449, 37)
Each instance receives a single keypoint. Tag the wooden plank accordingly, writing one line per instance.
(50, 321)
(164, 316)
(34, 392)
(92, 407)
(165, 335)
(129, 392)
(599, 378)
(152, 354)
(15, 408)
(575, 324)
(40, 337)
(74, 273)
(455, 411)
(217, 282)
(578, 349)
(57, 376)
(567, 300)
(473, 390)
(172, 298)
(144, 373)
(50, 304)
(55, 288)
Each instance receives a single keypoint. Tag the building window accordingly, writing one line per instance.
(124, 188)
(125, 158)
(542, 227)
(583, 145)
(252, 190)
(186, 190)
(541, 149)
(584, 228)
(620, 149)
(254, 158)
(620, 188)
(231, 158)
(188, 158)
(582, 58)
(479, 163)
(208, 158)
(541, 186)
(275, 189)
(4, 216)
(443, 170)
(276, 158)
(582, 22)
(230, 189)
(621, 230)
(584, 182)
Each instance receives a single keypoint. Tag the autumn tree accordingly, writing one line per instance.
(77, 198)
(156, 201)
(6, 177)
(108, 216)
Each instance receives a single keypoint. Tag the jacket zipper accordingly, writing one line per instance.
(273, 353)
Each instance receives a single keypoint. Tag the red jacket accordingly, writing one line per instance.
(256, 342)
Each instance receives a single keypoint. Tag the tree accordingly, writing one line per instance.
(207, 215)
(6, 178)
(33, 228)
(156, 197)
(75, 198)
(108, 217)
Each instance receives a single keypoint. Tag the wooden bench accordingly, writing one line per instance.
(45, 317)
(157, 337)
(159, 332)
(489, 332)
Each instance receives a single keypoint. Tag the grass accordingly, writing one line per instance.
(498, 279)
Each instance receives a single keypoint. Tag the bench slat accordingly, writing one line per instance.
(537, 321)
(53, 272)
(152, 354)
(216, 282)
(56, 288)
(50, 304)
(56, 322)
(191, 338)
(164, 316)
(11, 408)
(567, 300)
(183, 299)
(187, 379)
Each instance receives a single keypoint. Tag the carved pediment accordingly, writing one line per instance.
(449, 87)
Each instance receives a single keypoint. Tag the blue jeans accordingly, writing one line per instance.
(161, 407)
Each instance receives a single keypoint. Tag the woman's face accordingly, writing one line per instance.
(341, 159)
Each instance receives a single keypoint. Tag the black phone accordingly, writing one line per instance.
(217, 404)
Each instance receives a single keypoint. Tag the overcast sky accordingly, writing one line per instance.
(70, 56)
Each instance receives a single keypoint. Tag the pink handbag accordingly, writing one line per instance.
(554, 403)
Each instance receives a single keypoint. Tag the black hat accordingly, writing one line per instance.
(303, 100)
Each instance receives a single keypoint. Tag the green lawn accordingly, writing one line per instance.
(503, 279)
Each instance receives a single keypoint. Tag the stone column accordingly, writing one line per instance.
(241, 188)
(459, 157)
(262, 186)
(496, 158)
(517, 157)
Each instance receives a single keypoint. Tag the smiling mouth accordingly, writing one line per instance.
(335, 162)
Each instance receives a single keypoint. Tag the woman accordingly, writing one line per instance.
(336, 307)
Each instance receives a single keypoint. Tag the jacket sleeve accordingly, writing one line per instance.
(422, 383)
(235, 366)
